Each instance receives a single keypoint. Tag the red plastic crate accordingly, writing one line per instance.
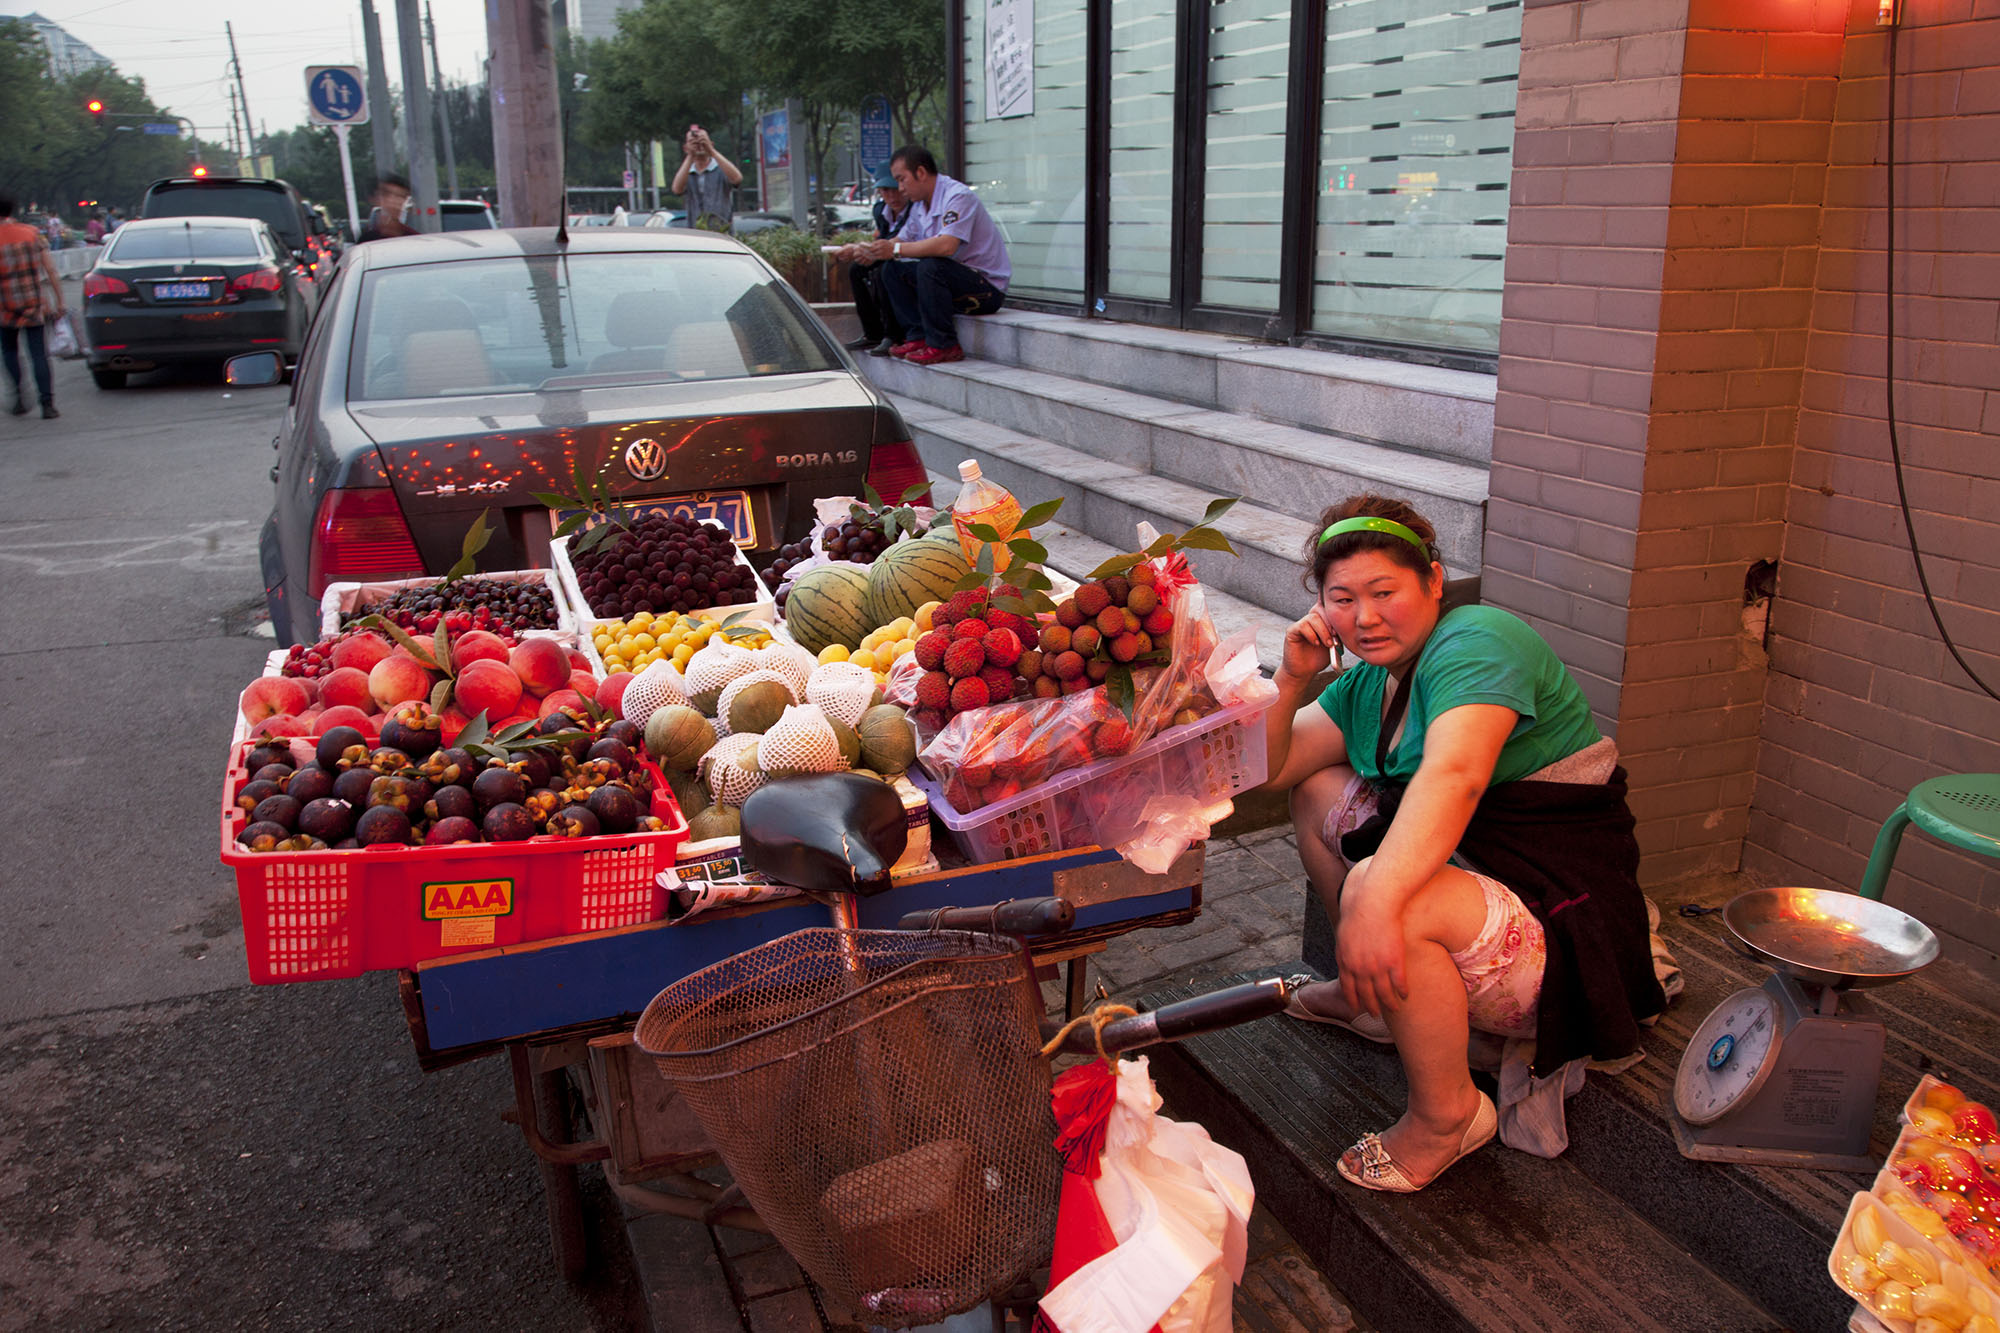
(315, 916)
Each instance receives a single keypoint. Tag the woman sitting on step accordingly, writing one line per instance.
(1465, 825)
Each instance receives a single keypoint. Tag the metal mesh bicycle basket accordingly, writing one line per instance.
(882, 1102)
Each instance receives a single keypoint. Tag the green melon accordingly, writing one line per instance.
(690, 792)
(887, 743)
(717, 821)
(678, 736)
(828, 605)
(850, 742)
(911, 573)
(755, 706)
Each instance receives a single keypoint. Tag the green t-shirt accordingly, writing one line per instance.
(1476, 655)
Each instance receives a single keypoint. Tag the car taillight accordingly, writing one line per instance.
(359, 536)
(894, 467)
(99, 284)
(257, 280)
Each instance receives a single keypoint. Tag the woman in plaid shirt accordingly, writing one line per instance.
(28, 281)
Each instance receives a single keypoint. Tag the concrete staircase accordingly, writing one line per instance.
(1129, 423)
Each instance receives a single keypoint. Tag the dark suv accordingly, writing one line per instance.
(272, 201)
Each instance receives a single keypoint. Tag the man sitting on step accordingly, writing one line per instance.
(951, 260)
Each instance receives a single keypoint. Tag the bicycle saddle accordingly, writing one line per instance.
(829, 833)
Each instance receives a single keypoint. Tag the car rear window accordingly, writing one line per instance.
(465, 219)
(519, 323)
(136, 245)
(212, 201)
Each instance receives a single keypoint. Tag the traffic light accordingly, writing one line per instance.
(95, 107)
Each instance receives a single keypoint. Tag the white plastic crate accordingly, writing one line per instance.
(763, 610)
(1207, 759)
(341, 598)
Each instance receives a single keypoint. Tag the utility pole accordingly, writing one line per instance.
(417, 100)
(439, 105)
(381, 111)
(242, 98)
(235, 128)
(527, 115)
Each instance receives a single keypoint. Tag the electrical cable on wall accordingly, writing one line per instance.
(1889, 378)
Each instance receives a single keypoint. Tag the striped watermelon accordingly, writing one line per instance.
(911, 573)
(828, 605)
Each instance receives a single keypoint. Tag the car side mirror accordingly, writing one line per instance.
(254, 370)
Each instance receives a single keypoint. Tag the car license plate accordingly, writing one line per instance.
(727, 509)
(180, 291)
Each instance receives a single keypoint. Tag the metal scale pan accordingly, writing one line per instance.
(1825, 937)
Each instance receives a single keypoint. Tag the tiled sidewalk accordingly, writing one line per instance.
(701, 1280)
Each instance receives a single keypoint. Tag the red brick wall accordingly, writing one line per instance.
(1863, 701)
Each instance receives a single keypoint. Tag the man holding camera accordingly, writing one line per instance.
(706, 182)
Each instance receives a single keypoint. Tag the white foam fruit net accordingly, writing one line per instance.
(801, 741)
(842, 690)
(728, 782)
(718, 663)
(651, 690)
(790, 661)
(740, 684)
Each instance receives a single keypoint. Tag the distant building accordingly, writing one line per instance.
(67, 55)
(593, 20)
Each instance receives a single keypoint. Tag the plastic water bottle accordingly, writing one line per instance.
(983, 501)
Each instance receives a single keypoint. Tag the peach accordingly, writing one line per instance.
(542, 664)
(488, 687)
(398, 679)
(476, 645)
(280, 724)
(578, 661)
(345, 715)
(451, 723)
(346, 687)
(273, 696)
(513, 720)
(360, 651)
(611, 692)
(562, 699)
(311, 685)
(584, 683)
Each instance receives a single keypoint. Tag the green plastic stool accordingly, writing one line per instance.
(1962, 809)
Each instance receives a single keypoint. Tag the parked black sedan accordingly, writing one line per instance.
(176, 290)
(450, 374)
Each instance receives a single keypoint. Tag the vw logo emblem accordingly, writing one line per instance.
(646, 459)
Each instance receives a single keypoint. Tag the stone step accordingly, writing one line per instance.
(1108, 500)
(1289, 468)
(1505, 1242)
(1424, 408)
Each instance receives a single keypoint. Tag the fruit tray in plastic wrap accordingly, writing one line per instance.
(318, 915)
(1902, 1280)
(342, 598)
(1207, 760)
(762, 609)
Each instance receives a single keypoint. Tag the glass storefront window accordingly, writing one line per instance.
(1243, 195)
(1140, 262)
(1416, 149)
(1028, 170)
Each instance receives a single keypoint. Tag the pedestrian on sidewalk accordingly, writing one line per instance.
(706, 182)
(954, 261)
(880, 329)
(30, 299)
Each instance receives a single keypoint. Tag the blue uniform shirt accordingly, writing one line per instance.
(954, 210)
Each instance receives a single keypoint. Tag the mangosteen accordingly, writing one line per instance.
(352, 786)
(388, 759)
(413, 729)
(533, 768)
(270, 753)
(335, 744)
(451, 803)
(498, 786)
(383, 824)
(541, 803)
(346, 845)
(563, 722)
(263, 837)
(455, 828)
(277, 773)
(393, 791)
(251, 794)
(616, 751)
(327, 819)
(309, 784)
(300, 842)
(450, 764)
(508, 822)
(627, 733)
(574, 821)
(616, 808)
(279, 809)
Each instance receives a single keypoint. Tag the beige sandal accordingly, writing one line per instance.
(1369, 1027)
(1378, 1171)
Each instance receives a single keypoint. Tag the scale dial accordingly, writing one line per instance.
(1728, 1060)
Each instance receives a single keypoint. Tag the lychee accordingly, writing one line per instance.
(1112, 736)
(1142, 575)
(1125, 647)
(1069, 666)
(1047, 687)
(963, 604)
(965, 657)
(1055, 639)
(999, 684)
(1111, 621)
(1091, 598)
(1003, 647)
(1141, 600)
(1117, 587)
(928, 720)
(1030, 664)
(931, 647)
(972, 627)
(1161, 621)
(1068, 614)
(1076, 686)
(1086, 639)
(969, 693)
(1020, 624)
(1096, 670)
(934, 690)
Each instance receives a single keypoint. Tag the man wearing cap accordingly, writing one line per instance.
(880, 330)
(952, 260)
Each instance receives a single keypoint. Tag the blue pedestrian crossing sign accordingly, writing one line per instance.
(336, 95)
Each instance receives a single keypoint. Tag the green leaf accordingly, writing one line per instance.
(1218, 507)
(1018, 605)
(593, 539)
(1206, 539)
(1041, 601)
(572, 523)
(440, 696)
(1162, 544)
(551, 499)
(1036, 579)
(915, 489)
(973, 580)
(1118, 689)
(986, 532)
(1028, 549)
(441, 647)
(402, 636)
(941, 519)
(1117, 564)
(1041, 513)
(475, 732)
(985, 565)
(870, 494)
(734, 620)
(859, 513)
(508, 734)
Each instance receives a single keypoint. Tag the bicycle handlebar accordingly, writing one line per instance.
(1185, 1018)
(1016, 916)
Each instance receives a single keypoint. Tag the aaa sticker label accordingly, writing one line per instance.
(481, 897)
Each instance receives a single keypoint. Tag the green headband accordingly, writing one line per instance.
(1367, 523)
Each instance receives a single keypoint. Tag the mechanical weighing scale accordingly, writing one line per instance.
(1785, 1074)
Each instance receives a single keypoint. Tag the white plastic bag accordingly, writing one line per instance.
(1179, 1204)
(62, 339)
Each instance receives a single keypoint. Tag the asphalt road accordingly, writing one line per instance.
(180, 1149)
